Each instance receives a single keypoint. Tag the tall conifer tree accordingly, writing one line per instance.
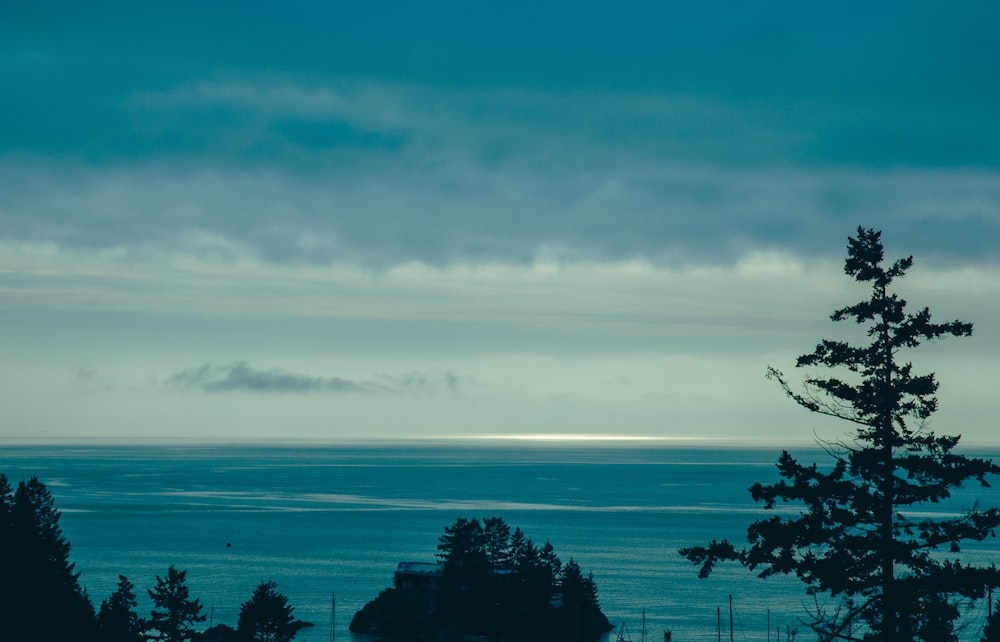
(39, 579)
(117, 619)
(267, 616)
(497, 542)
(175, 613)
(860, 536)
(8, 555)
(6, 504)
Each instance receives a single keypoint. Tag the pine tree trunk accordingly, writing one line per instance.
(886, 537)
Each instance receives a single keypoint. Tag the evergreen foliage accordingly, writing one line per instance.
(497, 539)
(463, 551)
(860, 537)
(579, 596)
(174, 613)
(494, 583)
(38, 577)
(267, 616)
(6, 507)
(991, 630)
(117, 620)
(7, 552)
(41, 599)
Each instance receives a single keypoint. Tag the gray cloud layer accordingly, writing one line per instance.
(472, 213)
(454, 134)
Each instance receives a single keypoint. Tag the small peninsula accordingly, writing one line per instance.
(489, 582)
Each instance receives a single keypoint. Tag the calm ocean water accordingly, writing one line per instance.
(329, 521)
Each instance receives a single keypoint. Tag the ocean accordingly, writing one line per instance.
(329, 523)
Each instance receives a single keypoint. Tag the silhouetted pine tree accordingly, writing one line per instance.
(528, 561)
(860, 536)
(991, 631)
(581, 607)
(39, 580)
(174, 613)
(496, 534)
(7, 557)
(551, 563)
(462, 549)
(117, 619)
(466, 582)
(518, 543)
(533, 585)
(266, 616)
(6, 506)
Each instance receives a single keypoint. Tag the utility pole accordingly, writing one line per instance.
(730, 617)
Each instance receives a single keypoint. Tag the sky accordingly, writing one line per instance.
(360, 220)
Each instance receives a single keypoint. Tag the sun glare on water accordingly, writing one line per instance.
(571, 437)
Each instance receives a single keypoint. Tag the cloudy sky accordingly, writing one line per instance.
(385, 219)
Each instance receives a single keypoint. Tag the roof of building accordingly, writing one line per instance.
(419, 568)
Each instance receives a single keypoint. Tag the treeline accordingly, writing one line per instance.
(41, 599)
(494, 582)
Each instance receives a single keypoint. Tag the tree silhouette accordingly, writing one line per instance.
(37, 577)
(580, 601)
(551, 564)
(494, 583)
(497, 542)
(466, 582)
(6, 506)
(266, 616)
(174, 612)
(859, 537)
(463, 547)
(991, 630)
(117, 619)
(7, 553)
(520, 547)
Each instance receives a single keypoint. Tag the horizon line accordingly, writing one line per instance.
(549, 438)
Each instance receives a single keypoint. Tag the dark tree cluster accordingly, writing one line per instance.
(40, 593)
(41, 599)
(861, 537)
(495, 582)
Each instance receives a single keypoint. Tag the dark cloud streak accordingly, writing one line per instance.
(242, 377)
